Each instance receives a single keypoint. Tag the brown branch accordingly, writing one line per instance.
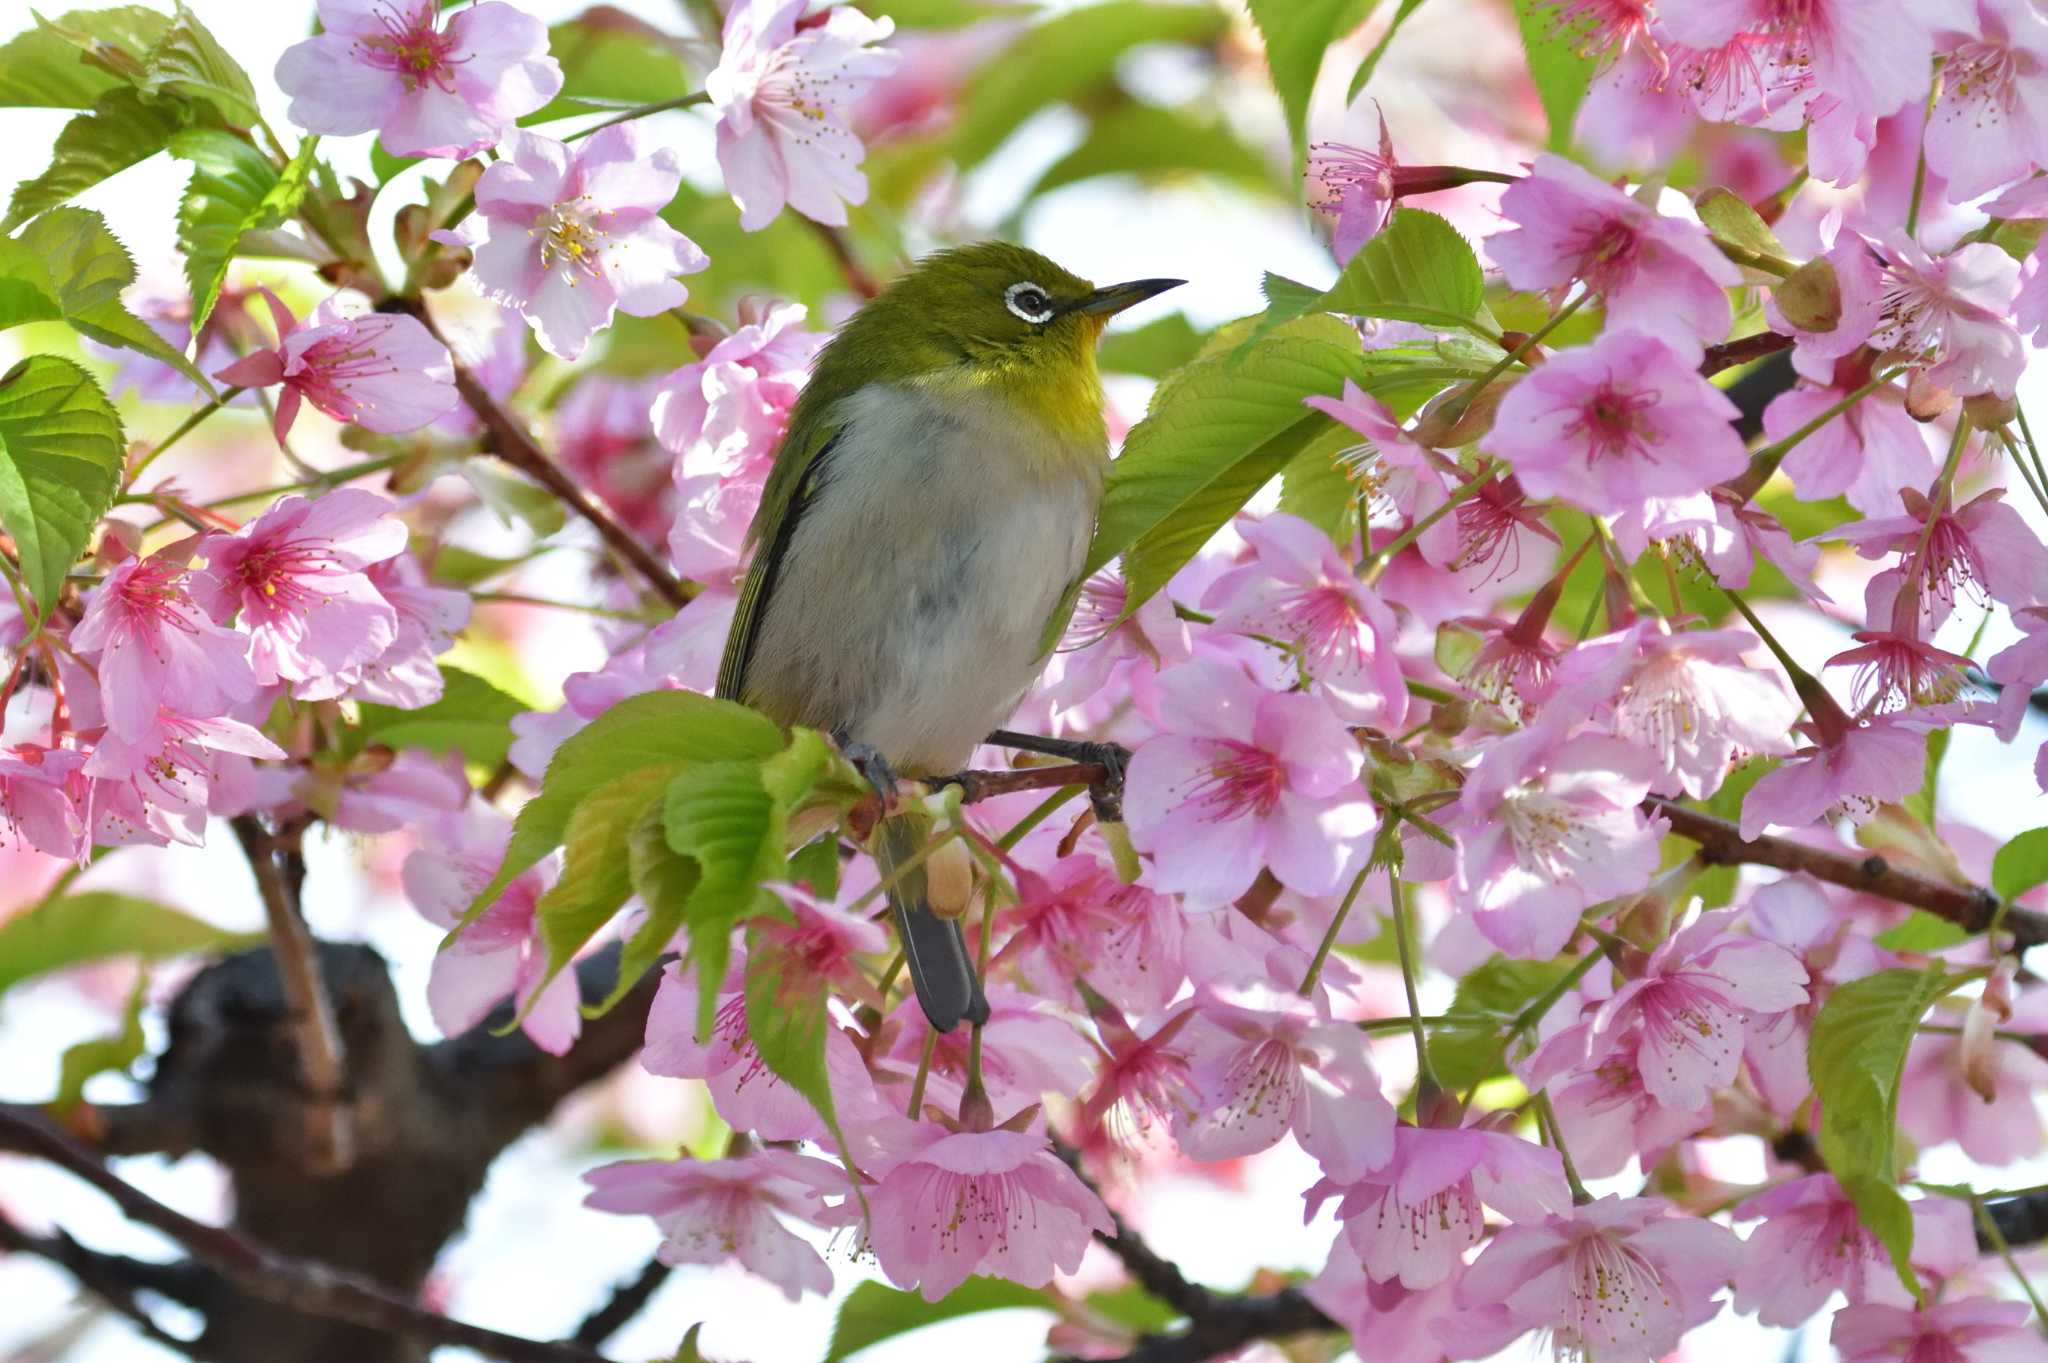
(115, 1279)
(857, 276)
(307, 1287)
(317, 1046)
(1730, 354)
(986, 785)
(511, 442)
(1218, 1322)
(1971, 907)
(626, 1302)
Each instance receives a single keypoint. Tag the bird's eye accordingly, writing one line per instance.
(1027, 301)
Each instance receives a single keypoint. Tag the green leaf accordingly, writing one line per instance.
(659, 729)
(1461, 1053)
(1888, 1216)
(1297, 34)
(1061, 58)
(1922, 802)
(815, 865)
(1922, 932)
(67, 265)
(1216, 432)
(1420, 269)
(1315, 487)
(84, 1059)
(597, 873)
(61, 453)
(620, 58)
(1153, 142)
(1561, 74)
(515, 498)
(721, 816)
(664, 881)
(687, 1351)
(786, 1019)
(1855, 1057)
(97, 926)
(234, 189)
(1379, 49)
(472, 717)
(1154, 349)
(119, 130)
(935, 13)
(873, 1313)
(2021, 864)
(46, 67)
(188, 63)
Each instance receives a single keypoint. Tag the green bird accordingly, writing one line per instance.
(929, 508)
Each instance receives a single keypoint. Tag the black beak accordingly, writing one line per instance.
(1107, 302)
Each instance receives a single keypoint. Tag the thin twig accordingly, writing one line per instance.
(1971, 907)
(857, 276)
(310, 1288)
(626, 1301)
(317, 1043)
(986, 785)
(114, 1278)
(511, 442)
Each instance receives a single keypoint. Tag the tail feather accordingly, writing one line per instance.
(941, 971)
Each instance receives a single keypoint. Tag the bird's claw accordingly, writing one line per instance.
(872, 766)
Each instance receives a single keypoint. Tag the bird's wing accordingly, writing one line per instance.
(800, 470)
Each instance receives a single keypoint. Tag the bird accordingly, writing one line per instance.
(927, 512)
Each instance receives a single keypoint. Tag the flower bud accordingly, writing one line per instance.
(1976, 1055)
(1457, 416)
(1810, 298)
(949, 880)
(1989, 412)
(1926, 400)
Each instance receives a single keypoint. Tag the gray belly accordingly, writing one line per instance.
(909, 604)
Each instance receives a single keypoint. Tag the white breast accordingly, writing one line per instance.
(909, 605)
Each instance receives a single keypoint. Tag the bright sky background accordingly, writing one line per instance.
(533, 1260)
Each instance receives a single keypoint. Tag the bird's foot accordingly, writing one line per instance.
(1113, 758)
(873, 767)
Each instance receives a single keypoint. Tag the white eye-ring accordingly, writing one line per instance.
(1028, 301)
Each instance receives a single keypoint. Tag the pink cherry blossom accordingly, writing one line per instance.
(418, 790)
(1656, 275)
(604, 435)
(1687, 698)
(1866, 454)
(781, 92)
(40, 805)
(953, 1204)
(1615, 424)
(570, 235)
(1966, 1330)
(1103, 653)
(1609, 1116)
(1256, 1073)
(1989, 125)
(1300, 591)
(1358, 189)
(723, 418)
(1392, 468)
(382, 371)
(1551, 826)
(1869, 54)
(714, 1211)
(295, 580)
(1983, 549)
(1813, 1244)
(429, 617)
(426, 89)
(157, 648)
(1079, 922)
(1617, 1280)
(158, 786)
(1952, 313)
(1027, 1050)
(498, 954)
(1938, 1103)
(1694, 1003)
(1242, 778)
(1412, 1220)
(1851, 768)
(1797, 914)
